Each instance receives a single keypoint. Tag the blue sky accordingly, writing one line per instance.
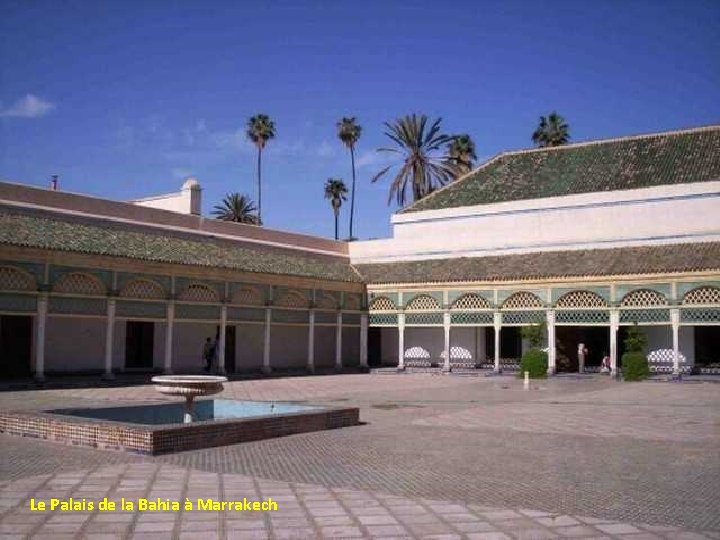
(124, 99)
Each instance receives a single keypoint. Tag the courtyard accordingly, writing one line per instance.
(436, 457)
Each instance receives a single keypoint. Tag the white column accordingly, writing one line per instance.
(109, 335)
(497, 324)
(311, 342)
(552, 353)
(446, 329)
(614, 326)
(221, 340)
(266, 344)
(675, 320)
(363, 340)
(338, 342)
(41, 320)
(401, 341)
(170, 322)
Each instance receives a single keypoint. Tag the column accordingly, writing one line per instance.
(221, 340)
(338, 342)
(311, 342)
(170, 318)
(266, 344)
(446, 329)
(41, 318)
(363, 340)
(614, 326)
(109, 335)
(675, 320)
(552, 352)
(401, 341)
(497, 324)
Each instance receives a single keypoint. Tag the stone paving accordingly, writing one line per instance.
(438, 457)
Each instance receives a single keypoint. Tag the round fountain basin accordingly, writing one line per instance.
(189, 385)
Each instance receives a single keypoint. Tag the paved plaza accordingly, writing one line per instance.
(436, 457)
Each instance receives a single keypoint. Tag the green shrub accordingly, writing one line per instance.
(635, 366)
(536, 362)
(635, 340)
(535, 334)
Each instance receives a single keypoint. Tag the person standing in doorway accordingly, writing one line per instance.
(208, 353)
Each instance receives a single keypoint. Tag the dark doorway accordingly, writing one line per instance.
(595, 338)
(229, 347)
(15, 345)
(374, 346)
(707, 339)
(510, 343)
(139, 344)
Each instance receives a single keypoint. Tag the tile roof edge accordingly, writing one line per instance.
(570, 146)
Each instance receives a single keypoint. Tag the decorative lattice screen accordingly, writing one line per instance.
(470, 301)
(523, 317)
(472, 318)
(700, 315)
(291, 299)
(326, 301)
(12, 279)
(582, 316)
(198, 292)
(424, 318)
(143, 288)
(581, 299)
(79, 283)
(702, 296)
(644, 298)
(248, 296)
(521, 300)
(423, 302)
(383, 319)
(645, 316)
(382, 303)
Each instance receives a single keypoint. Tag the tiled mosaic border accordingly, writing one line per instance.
(169, 438)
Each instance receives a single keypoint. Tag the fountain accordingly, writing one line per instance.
(189, 387)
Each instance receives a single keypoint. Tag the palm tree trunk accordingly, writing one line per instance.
(337, 220)
(352, 197)
(259, 166)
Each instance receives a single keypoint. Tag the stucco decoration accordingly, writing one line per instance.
(79, 283)
(199, 292)
(353, 301)
(292, 299)
(423, 302)
(702, 296)
(581, 299)
(382, 303)
(248, 296)
(325, 300)
(15, 279)
(470, 301)
(145, 289)
(643, 298)
(522, 300)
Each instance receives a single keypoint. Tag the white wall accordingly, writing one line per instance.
(74, 344)
(186, 201)
(188, 341)
(664, 214)
(288, 346)
(249, 342)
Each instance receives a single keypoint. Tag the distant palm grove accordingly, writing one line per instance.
(424, 158)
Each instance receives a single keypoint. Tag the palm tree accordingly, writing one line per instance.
(422, 168)
(551, 131)
(237, 208)
(335, 190)
(461, 151)
(260, 129)
(349, 133)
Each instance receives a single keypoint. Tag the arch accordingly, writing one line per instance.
(292, 299)
(522, 299)
(16, 279)
(644, 298)
(422, 302)
(143, 288)
(581, 299)
(79, 283)
(470, 301)
(382, 303)
(353, 301)
(326, 300)
(702, 296)
(250, 296)
(199, 292)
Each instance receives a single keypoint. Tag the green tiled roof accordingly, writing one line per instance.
(628, 163)
(105, 238)
(551, 264)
